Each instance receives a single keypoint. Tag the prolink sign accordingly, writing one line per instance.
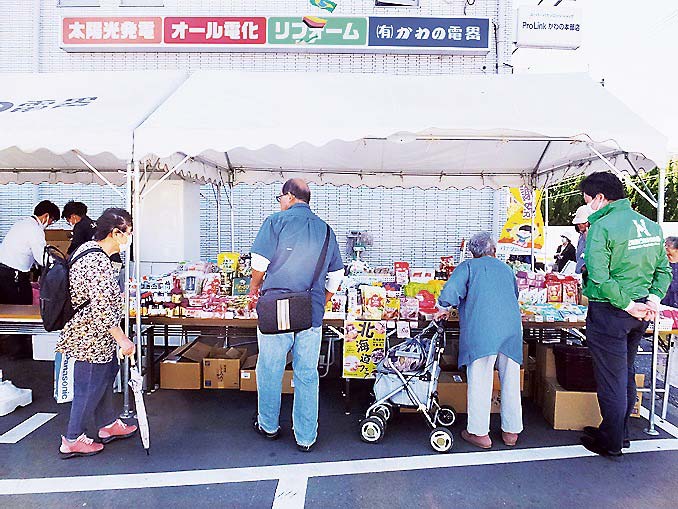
(392, 34)
(549, 27)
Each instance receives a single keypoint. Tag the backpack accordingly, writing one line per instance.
(56, 308)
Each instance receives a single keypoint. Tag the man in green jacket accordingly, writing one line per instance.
(626, 274)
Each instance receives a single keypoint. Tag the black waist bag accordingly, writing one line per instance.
(291, 311)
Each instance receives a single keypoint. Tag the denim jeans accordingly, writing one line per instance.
(92, 396)
(273, 349)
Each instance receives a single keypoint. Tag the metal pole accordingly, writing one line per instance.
(218, 218)
(546, 222)
(655, 335)
(136, 233)
(232, 205)
(532, 210)
(126, 412)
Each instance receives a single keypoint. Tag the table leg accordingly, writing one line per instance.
(150, 359)
(347, 396)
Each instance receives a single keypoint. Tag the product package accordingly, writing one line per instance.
(409, 308)
(374, 301)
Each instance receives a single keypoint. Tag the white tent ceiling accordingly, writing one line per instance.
(395, 130)
(46, 118)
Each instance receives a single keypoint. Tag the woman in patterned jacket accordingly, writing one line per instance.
(92, 334)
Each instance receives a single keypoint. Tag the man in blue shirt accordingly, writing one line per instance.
(286, 251)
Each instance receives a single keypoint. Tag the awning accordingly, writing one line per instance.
(397, 130)
(47, 120)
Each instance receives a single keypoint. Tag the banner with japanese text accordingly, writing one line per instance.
(364, 347)
(329, 33)
(524, 224)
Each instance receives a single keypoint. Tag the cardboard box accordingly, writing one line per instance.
(452, 392)
(572, 410)
(546, 361)
(221, 369)
(61, 239)
(182, 369)
(248, 375)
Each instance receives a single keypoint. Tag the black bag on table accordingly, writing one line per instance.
(290, 311)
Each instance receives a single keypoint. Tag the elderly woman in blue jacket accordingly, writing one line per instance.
(485, 292)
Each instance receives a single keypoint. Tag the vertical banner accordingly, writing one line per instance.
(520, 229)
(364, 347)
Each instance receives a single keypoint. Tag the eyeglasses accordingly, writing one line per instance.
(279, 197)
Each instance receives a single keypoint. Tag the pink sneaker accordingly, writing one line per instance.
(83, 446)
(116, 431)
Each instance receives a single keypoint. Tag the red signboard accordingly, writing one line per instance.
(117, 31)
(215, 30)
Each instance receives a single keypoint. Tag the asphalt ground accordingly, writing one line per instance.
(206, 434)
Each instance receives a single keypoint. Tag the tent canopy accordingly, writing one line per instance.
(396, 130)
(46, 118)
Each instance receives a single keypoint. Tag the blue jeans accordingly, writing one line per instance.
(273, 349)
(92, 396)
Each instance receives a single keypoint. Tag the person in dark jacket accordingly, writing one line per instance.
(75, 214)
(671, 246)
(565, 253)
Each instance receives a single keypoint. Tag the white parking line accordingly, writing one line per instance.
(290, 493)
(305, 470)
(25, 428)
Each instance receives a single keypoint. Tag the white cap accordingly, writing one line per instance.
(582, 215)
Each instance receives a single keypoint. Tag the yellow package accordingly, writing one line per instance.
(228, 262)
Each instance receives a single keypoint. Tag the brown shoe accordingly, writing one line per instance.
(483, 442)
(509, 439)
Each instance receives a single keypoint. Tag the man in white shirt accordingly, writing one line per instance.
(22, 247)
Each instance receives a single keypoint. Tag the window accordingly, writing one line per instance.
(142, 3)
(396, 3)
(78, 3)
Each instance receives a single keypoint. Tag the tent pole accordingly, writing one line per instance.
(622, 176)
(231, 204)
(136, 234)
(98, 173)
(655, 335)
(218, 196)
(532, 210)
(546, 221)
(126, 413)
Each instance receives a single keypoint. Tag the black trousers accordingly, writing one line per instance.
(613, 337)
(15, 287)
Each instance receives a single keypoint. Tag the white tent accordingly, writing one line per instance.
(394, 130)
(77, 127)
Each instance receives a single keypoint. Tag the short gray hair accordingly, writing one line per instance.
(671, 242)
(482, 244)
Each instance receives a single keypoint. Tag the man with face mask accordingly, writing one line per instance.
(581, 225)
(625, 276)
(22, 247)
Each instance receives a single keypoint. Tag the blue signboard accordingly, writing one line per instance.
(451, 34)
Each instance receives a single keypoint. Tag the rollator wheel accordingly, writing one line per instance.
(441, 439)
(446, 416)
(372, 430)
(384, 411)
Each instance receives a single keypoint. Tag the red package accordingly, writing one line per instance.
(427, 302)
(554, 290)
(570, 291)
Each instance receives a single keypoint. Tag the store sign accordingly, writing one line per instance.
(549, 27)
(521, 230)
(336, 32)
(467, 34)
(215, 30)
(274, 33)
(364, 347)
(115, 31)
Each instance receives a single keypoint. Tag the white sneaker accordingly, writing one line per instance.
(12, 397)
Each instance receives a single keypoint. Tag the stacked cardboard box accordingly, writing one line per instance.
(248, 375)
(452, 388)
(567, 410)
(203, 362)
